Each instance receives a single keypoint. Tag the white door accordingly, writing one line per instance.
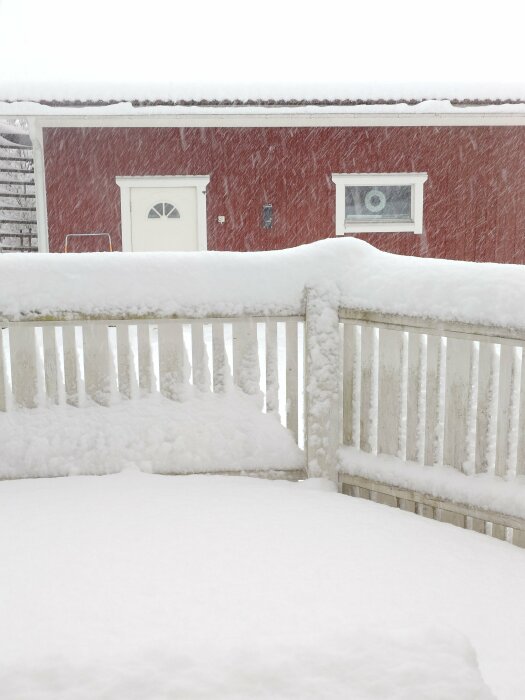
(164, 218)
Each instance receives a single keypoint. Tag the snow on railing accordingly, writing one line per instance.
(427, 415)
(441, 394)
(82, 362)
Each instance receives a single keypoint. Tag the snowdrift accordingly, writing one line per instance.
(226, 283)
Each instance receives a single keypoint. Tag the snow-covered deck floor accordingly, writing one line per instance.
(146, 586)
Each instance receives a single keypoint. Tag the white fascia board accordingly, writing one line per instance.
(274, 118)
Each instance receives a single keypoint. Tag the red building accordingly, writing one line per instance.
(435, 180)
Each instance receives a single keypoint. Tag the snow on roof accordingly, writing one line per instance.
(10, 128)
(227, 283)
(203, 94)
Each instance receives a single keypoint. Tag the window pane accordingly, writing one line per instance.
(383, 203)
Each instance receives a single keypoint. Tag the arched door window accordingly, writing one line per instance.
(163, 210)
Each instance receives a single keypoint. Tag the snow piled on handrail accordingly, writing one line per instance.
(214, 283)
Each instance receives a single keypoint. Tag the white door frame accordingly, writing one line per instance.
(200, 182)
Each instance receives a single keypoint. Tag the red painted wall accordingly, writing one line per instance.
(474, 198)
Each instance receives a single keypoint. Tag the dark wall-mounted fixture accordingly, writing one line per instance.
(267, 215)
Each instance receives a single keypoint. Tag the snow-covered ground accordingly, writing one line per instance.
(146, 586)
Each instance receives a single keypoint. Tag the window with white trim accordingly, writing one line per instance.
(378, 202)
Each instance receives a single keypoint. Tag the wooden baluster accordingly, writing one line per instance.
(71, 365)
(147, 382)
(349, 353)
(246, 370)
(485, 363)
(199, 357)
(457, 397)
(390, 376)
(98, 363)
(503, 424)
(221, 369)
(367, 362)
(24, 373)
(272, 369)
(126, 369)
(413, 396)
(520, 461)
(292, 379)
(173, 361)
(50, 362)
(432, 397)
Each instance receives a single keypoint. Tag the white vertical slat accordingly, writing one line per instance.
(272, 369)
(520, 460)
(349, 343)
(498, 531)
(3, 383)
(503, 424)
(239, 342)
(199, 357)
(221, 370)
(246, 370)
(173, 361)
(292, 379)
(146, 374)
(71, 369)
(432, 398)
(367, 362)
(98, 364)
(50, 362)
(390, 370)
(486, 355)
(24, 373)
(126, 368)
(457, 397)
(413, 394)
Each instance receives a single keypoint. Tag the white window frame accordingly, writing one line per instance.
(200, 182)
(415, 180)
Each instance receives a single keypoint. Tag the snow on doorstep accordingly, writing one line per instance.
(484, 491)
(227, 283)
(205, 433)
(145, 586)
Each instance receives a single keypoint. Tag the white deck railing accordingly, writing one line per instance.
(421, 392)
(434, 393)
(85, 361)
(64, 361)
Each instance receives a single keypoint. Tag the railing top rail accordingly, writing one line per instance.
(431, 326)
(78, 319)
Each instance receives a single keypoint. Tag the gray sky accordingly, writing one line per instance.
(275, 41)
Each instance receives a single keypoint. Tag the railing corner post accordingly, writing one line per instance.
(322, 381)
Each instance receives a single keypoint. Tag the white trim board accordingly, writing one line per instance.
(200, 182)
(275, 118)
(37, 141)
